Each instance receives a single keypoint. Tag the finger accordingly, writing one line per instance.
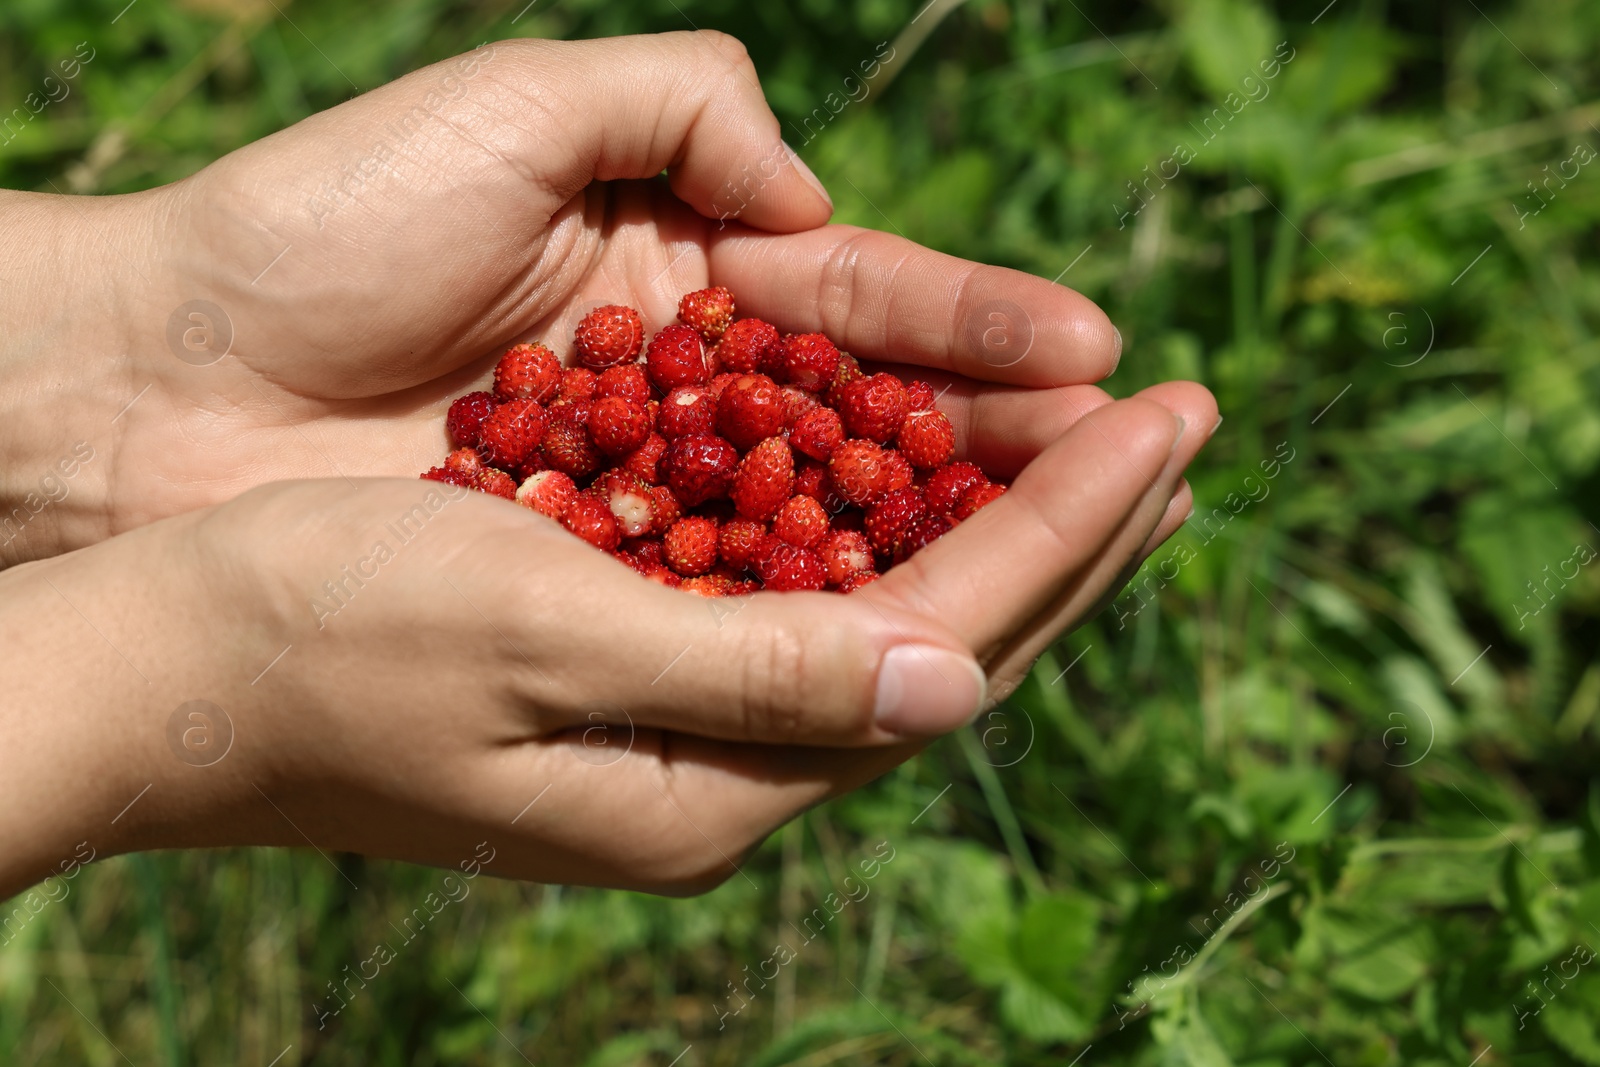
(880, 296)
(1177, 513)
(998, 570)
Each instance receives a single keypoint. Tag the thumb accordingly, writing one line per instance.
(795, 668)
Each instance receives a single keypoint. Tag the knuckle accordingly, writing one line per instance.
(725, 48)
(776, 671)
(837, 281)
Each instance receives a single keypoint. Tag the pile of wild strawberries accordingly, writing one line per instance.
(731, 459)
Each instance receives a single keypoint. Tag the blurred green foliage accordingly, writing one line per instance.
(1319, 788)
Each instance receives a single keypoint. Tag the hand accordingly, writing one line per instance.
(370, 262)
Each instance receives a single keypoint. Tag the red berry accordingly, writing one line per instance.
(845, 552)
(497, 483)
(923, 532)
(920, 396)
(530, 372)
(810, 360)
(512, 432)
(664, 509)
(859, 472)
(765, 480)
(609, 335)
(849, 371)
(857, 580)
(567, 445)
(889, 519)
(617, 425)
(465, 460)
(699, 468)
(796, 403)
(740, 541)
(976, 497)
(691, 545)
(897, 473)
(450, 477)
(629, 501)
(811, 479)
(719, 383)
(749, 410)
(677, 356)
(708, 585)
(817, 433)
(465, 418)
(663, 576)
(785, 567)
(707, 310)
(687, 410)
(627, 381)
(744, 346)
(801, 521)
(642, 554)
(946, 485)
(645, 461)
(548, 493)
(874, 407)
(590, 518)
(926, 439)
(578, 383)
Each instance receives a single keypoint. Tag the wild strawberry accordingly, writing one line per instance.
(687, 410)
(514, 430)
(889, 518)
(796, 403)
(946, 485)
(548, 493)
(533, 462)
(664, 509)
(567, 445)
(677, 356)
(530, 372)
(920, 396)
(801, 521)
(699, 468)
(465, 460)
(719, 383)
(450, 477)
(744, 346)
(739, 541)
(923, 532)
(787, 567)
(859, 472)
(707, 310)
(628, 381)
(849, 371)
(691, 545)
(857, 580)
(926, 439)
(874, 407)
(810, 360)
(817, 433)
(708, 585)
(589, 517)
(465, 418)
(663, 576)
(897, 472)
(497, 483)
(749, 410)
(811, 479)
(977, 496)
(578, 383)
(617, 425)
(765, 480)
(609, 335)
(845, 552)
(645, 461)
(629, 501)
(643, 554)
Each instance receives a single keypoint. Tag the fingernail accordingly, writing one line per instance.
(924, 691)
(1116, 357)
(1215, 427)
(805, 172)
(1182, 426)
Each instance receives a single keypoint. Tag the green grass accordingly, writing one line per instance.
(1282, 774)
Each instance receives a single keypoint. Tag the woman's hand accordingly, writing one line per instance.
(308, 305)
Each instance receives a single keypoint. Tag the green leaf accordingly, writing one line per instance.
(1224, 40)
(1038, 1015)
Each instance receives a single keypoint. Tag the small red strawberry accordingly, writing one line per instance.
(465, 418)
(707, 310)
(890, 518)
(977, 496)
(744, 346)
(465, 460)
(874, 407)
(787, 567)
(450, 477)
(663, 576)
(512, 432)
(609, 335)
(859, 472)
(811, 479)
(897, 472)
(849, 371)
(643, 554)
(923, 532)
(664, 509)
(946, 485)
(645, 461)
(920, 396)
(567, 445)
(589, 517)
(497, 483)
(740, 540)
(817, 433)
(548, 493)
(719, 383)
(708, 585)
(749, 410)
(628, 381)
(578, 383)
(618, 426)
(845, 552)
(530, 372)
(810, 360)
(796, 403)
(857, 580)
(801, 521)
(687, 410)
(926, 439)
(691, 545)
(699, 468)
(677, 356)
(765, 480)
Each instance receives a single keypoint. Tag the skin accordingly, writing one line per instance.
(490, 659)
